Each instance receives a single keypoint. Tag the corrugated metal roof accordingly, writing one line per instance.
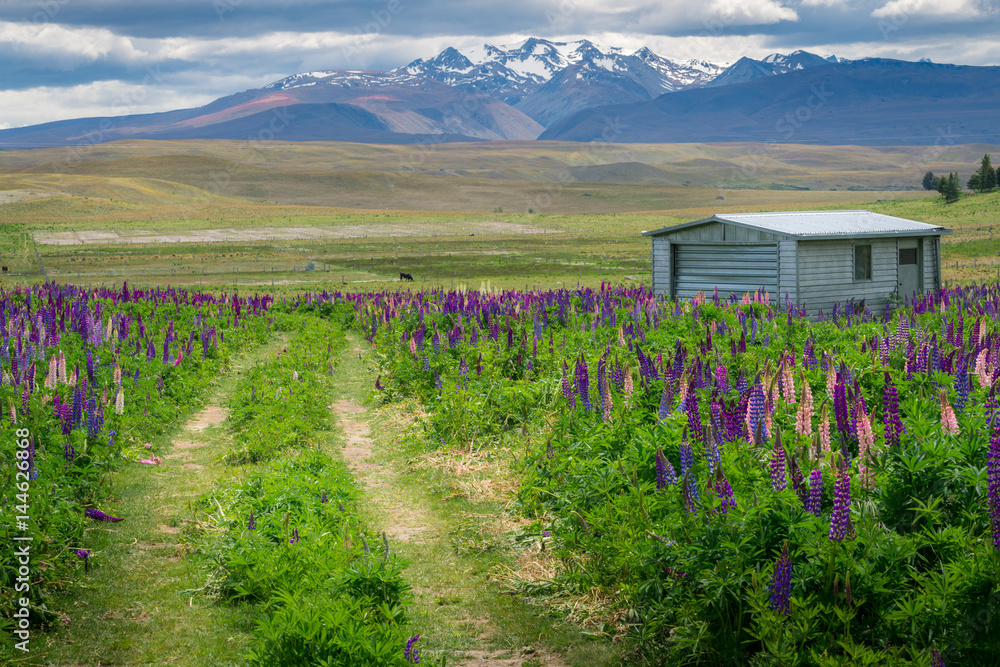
(820, 224)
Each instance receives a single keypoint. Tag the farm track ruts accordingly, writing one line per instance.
(141, 605)
(416, 525)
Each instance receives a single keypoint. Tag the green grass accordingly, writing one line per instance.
(458, 606)
(140, 603)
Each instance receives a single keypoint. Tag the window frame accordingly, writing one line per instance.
(867, 277)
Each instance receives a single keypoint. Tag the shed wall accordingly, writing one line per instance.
(826, 273)
(931, 269)
(661, 265)
(788, 271)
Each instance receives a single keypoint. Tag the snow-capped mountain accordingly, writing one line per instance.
(748, 69)
(549, 80)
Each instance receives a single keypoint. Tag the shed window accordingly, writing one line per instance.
(862, 262)
(907, 255)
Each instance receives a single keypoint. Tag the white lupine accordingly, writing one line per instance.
(120, 401)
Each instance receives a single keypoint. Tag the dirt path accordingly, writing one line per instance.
(451, 592)
(141, 602)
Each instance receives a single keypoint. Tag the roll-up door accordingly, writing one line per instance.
(734, 269)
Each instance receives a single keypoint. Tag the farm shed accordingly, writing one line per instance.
(817, 258)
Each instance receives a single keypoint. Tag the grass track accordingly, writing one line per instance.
(138, 606)
(458, 610)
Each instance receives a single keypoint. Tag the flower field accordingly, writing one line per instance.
(748, 486)
(738, 484)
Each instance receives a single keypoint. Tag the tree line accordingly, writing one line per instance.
(985, 179)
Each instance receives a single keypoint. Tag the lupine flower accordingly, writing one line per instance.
(722, 379)
(893, 423)
(323, 499)
(98, 515)
(295, 536)
(84, 555)
(949, 423)
(778, 475)
(583, 383)
(815, 502)
(664, 471)
(824, 431)
(724, 491)
(803, 421)
(687, 472)
(694, 416)
(664, 410)
(840, 519)
(755, 413)
(936, 659)
(781, 583)
(252, 523)
(993, 492)
(866, 441)
(963, 385)
(840, 409)
(69, 453)
(411, 653)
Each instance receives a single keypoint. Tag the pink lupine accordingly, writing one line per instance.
(788, 385)
(803, 423)
(948, 420)
(831, 379)
(824, 431)
(866, 441)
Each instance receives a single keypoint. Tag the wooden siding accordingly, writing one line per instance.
(930, 263)
(717, 231)
(826, 274)
(661, 265)
(787, 271)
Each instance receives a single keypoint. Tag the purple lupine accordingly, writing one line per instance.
(295, 536)
(963, 385)
(252, 523)
(722, 379)
(84, 555)
(936, 659)
(98, 515)
(694, 417)
(664, 471)
(840, 518)
(567, 388)
(779, 476)
(665, 398)
(583, 382)
(893, 423)
(993, 493)
(840, 408)
(815, 502)
(69, 453)
(781, 583)
(411, 653)
(687, 472)
(724, 491)
(323, 498)
(755, 413)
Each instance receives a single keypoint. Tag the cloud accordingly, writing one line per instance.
(957, 10)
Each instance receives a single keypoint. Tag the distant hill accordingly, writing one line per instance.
(872, 102)
(342, 105)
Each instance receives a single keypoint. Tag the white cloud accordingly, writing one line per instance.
(956, 10)
(750, 12)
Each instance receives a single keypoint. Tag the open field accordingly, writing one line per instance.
(323, 215)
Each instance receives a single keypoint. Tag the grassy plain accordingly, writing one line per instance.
(512, 213)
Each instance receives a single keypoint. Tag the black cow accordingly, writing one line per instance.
(406, 276)
(4, 269)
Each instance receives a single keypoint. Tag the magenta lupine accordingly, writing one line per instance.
(665, 474)
(98, 515)
(993, 492)
(781, 583)
(778, 474)
(840, 519)
(815, 502)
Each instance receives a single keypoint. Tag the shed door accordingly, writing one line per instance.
(908, 275)
(734, 269)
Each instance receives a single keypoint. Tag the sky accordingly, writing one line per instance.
(96, 58)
